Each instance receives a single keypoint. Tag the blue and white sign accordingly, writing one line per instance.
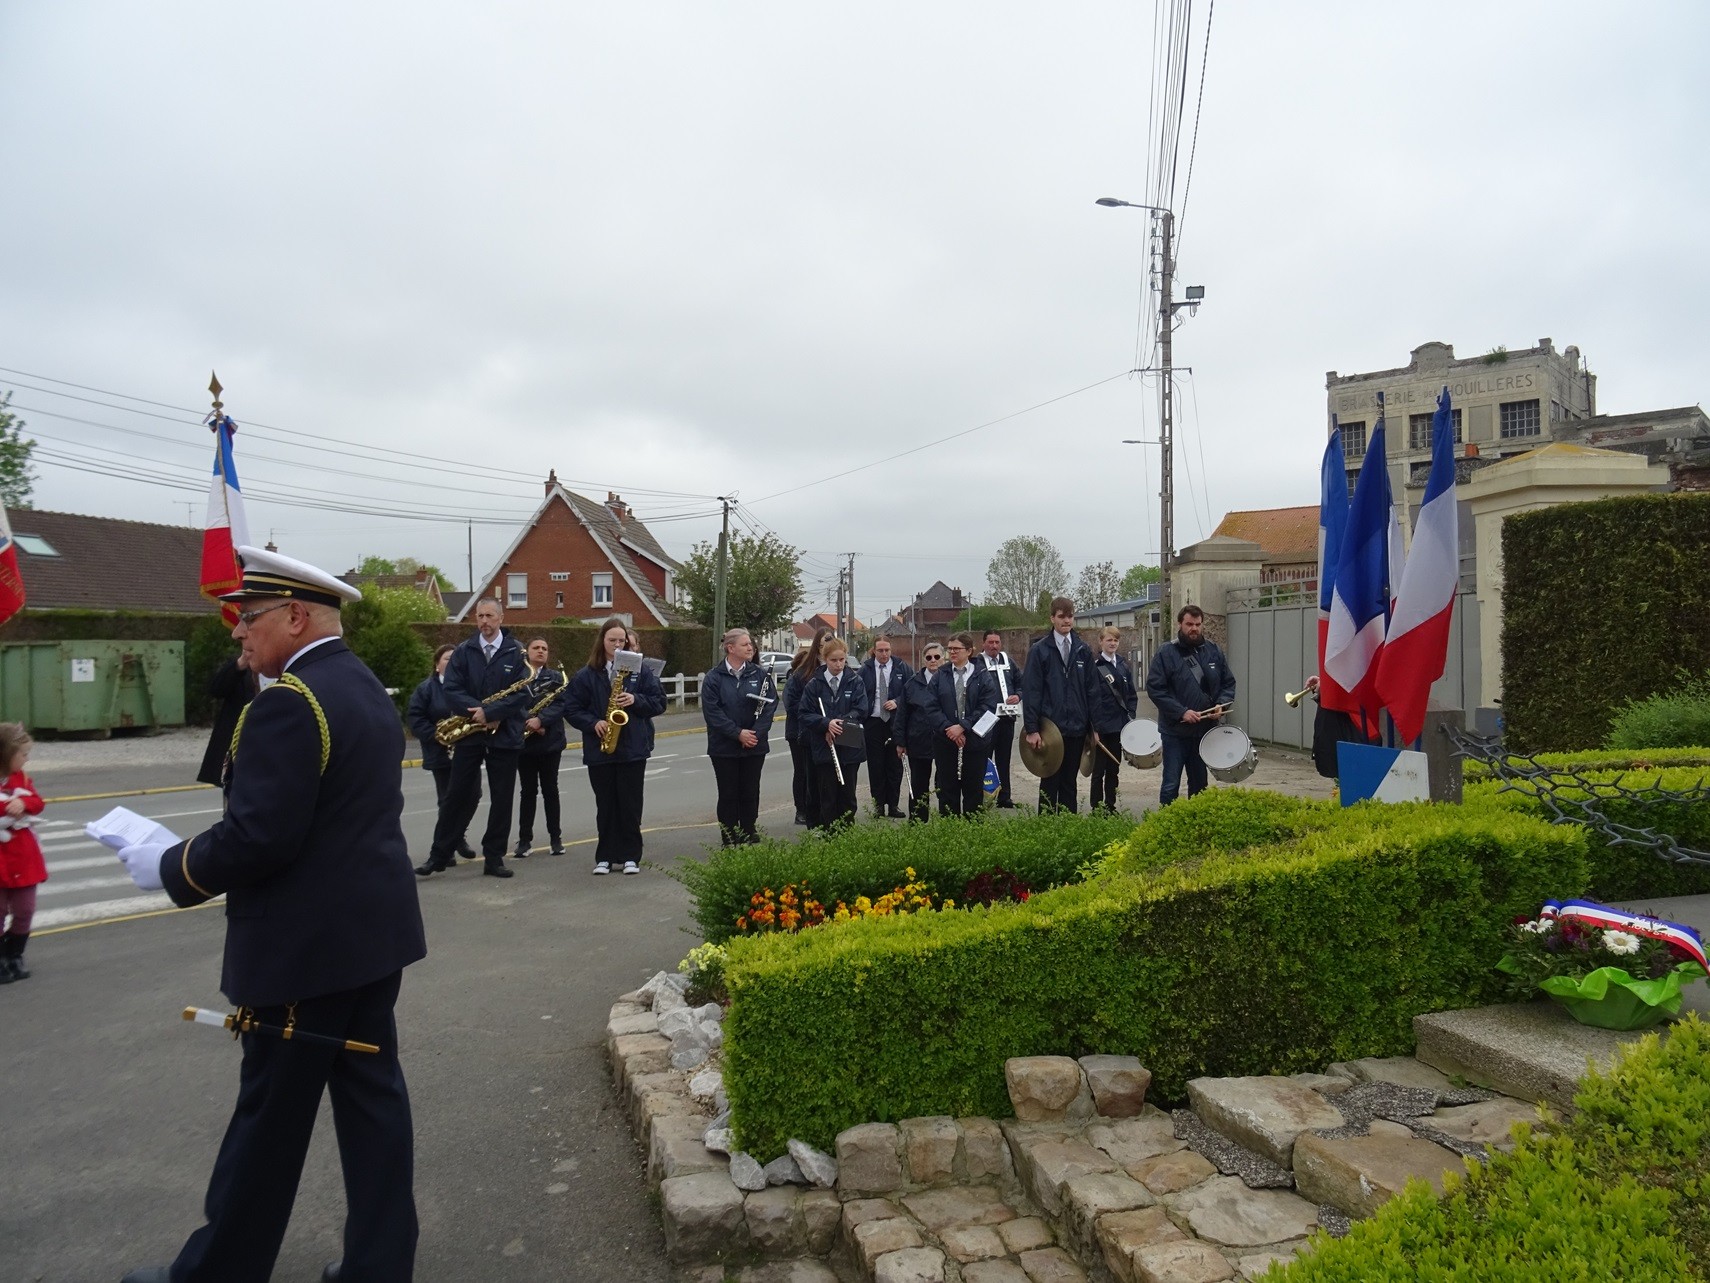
(1381, 774)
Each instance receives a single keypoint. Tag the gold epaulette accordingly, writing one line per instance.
(297, 684)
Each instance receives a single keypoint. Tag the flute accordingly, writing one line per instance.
(836, 761)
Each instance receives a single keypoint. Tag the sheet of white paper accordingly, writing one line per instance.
(983, 727)
(654, 666)
(120, 828)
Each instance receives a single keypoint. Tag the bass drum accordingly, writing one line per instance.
(1142, 745)
(1228, 754)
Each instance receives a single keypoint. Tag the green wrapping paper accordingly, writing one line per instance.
(1609, 998)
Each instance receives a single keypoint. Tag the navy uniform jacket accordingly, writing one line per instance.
(850, 704)
(919, 724)
(1117, 702)
(319, 893)
(1011, 673)
(469, 679)
(980, 697)
(551, 738)
(1172, 686)
(728, 710)
(869, 675)
(1049, 688)
(585, 703)
(793, 687)
(426, 709)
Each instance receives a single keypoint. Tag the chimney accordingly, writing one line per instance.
(1472, 450)
(619, 508)
(551, 480)
(270, 546)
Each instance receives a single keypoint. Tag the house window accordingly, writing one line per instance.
(1517, 419)
(559, 576)
(603, 589)
(558, 601)
(516, 591)
(35, 544)
(1353, 440)
(1419, 430)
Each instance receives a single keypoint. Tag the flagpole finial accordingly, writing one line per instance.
(215, 388)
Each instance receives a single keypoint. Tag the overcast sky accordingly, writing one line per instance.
(685, 250)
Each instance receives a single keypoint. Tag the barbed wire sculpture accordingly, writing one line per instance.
(1570, 798)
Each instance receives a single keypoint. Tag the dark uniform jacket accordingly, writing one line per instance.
(980, 697)
(1117, 701)
(319, 893)
(231, 688)
(919, 724)
(551, 738)
(820, 707)
(1011, 683)
(469, 679)
(585, 702)
(728, 710)
(794, 684)
(427, 708)
(869, 675)
(1173, 686)
(1051, 688)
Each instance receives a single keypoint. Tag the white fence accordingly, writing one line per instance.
(682, 690)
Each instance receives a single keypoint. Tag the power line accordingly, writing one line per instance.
(1193, 148)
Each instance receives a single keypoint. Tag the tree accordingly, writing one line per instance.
(16, 479)
(763, 586)
(1099, 584)
(1135, 579)
(371, 566)
(1024, 569)
(377, 630)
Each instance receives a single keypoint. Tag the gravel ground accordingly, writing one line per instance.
(173, 747)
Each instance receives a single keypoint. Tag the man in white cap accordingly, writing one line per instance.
(321, 920)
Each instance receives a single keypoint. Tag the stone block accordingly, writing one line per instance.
(1403, 1071)
(1046, 1089)
(1047, 1165)
(1086, 1198)
(817, 1167)
(858, 1211)
(938, 1209)
(703, 1217)
(868, 1159)
(1264, 1114)
(1051, 1265)
(1183, 1261)
(1490, 1122)
(1025, 1233)
(985, 1153)
(1131, 1141)
(1532, 1050)
(774, 1221)
(630, 1021)
(1118, 1084)
(1254, 1265)
(821, 1215)
(910, 1265)
(675, 1149)
(1360, 1174)
(972, 1242)
(1385, 1127)
(783, 1272)
(653, 1096)
(746, 1172)
(782, 1170)
(993, 1272)
(1172, 1173)
(1121, 1234)
(1227, 1213)
(873, 1239)
(1324, 1084)
(929, 1149)
(636, 1054)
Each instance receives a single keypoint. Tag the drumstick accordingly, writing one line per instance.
(1112, 756)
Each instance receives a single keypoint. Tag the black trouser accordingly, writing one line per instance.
(617, 809)
(738, 797)
(441, 785)
(961, 795)
(836, 801)
(255, 1177)
(1003, 740)
(538, 771)
(1105, 769)
(804, 786)
(920, 786)
(464, 795)
(1061, 789)
(884, 767)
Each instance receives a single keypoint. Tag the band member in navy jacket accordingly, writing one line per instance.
(917, 728)
(738, 701)
(542, 750)
(883, 678)
(1116, 704)
(834, 700)
(427, 708)
(1007, 673)
(1058, 683)
(966, 692)
(803, 786)
(617, 778)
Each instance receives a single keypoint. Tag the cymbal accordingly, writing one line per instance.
(1087, 759)
(1046, 760)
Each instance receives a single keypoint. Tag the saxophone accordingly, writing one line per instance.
(624, 663)
(544, 700)
(458, 726)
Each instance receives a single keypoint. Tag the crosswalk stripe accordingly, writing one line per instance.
(87, 862)
(85, 884)
(45, 919)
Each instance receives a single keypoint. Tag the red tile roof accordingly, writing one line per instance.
(1287, 535)
(107, 564)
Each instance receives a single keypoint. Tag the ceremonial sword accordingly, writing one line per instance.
(243, 1021)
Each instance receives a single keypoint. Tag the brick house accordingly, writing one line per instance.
(422, 581)
(581, 560)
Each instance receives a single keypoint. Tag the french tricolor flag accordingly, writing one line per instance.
(227, 528)
(1332, 521)
(1359, 604)
(1418, 642)
(11, 582)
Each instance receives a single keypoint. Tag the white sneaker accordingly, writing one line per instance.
(630, 866)
(602, 867)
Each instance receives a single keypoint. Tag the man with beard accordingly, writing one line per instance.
(1188, 677)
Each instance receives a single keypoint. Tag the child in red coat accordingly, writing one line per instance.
(22, 868)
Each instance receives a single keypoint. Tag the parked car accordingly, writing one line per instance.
(776, 662)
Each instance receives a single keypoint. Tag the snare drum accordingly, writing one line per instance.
(1228, 754)
(1142, 744)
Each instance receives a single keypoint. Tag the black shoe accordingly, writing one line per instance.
(431, 866)
(801, 818)
(468, 852)
(149, 1274)
(497, 869)
(333, 1273)
(896, 813)
(523, 845)
(557, 847)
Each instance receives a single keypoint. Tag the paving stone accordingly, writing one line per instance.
(868, 1161)
(972, 1242)
(631, 1022)
(1183, 1261)
(875, 1238)
(1051, 1265)
(1532, 1050)
(653, 1096)
(1254, 1265)
(703, 1217)
(636, 1054)
(821, 1215)
(773, 1217)
(1047, 1165)
(1086, 1198)
(1264, 1114)
(910, 1265)
(1403, 1071)
(984, 1153)
(1044, 1089)
(1133, 1140)
(1383, 1127)
(858, 1211)
(937, 1209)
(1025, 1233)
(783, 1272)
(1487, 1123)
(1324, 1084)
(1172, 1173)
(817, 1167)
(993, 1272)
(1361, 1173)
(1122, 1234)
(929, 1149)
(675, 1149)
(1118, 1084)
(1224, 1211)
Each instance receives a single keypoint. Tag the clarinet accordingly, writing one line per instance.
(836, 761)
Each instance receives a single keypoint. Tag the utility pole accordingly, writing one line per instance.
(1166, 417)
(471, 530)
(723, 575)
(851, 631)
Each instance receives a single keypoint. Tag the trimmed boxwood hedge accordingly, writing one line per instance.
(1602, 603)
(1277, 958)
(1607, 759)
(1615, 1193)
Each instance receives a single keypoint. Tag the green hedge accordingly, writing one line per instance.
(1608, 759)
(1276, 959)
(871, 859)
(1602, 603)
(1615, 1193)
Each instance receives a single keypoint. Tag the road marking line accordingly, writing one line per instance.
(90, 862)
(154, 905)
(84, 884)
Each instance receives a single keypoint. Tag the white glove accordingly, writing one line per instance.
(142, 862)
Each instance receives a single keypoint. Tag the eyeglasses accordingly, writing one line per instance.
(248, 617)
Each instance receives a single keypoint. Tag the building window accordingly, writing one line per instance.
(1517, 419)
(1419, 430)
(1354, 440)
(559, 576)
(36, 545)
(516, 591)
(603, 590)
(558, 601)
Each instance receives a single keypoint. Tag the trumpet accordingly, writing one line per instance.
(1293, 700)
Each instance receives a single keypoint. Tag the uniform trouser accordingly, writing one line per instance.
(738, 797)
(1105, 770)
(1181, 752)
(884, 768)
(255, 1177)
(617, 809)
(836, 801)
(538, 772)
(441, 786)
(1060, 789)
(919, 786)
(961, 794)
(804, 785)
(463, 795)
(1003, 741)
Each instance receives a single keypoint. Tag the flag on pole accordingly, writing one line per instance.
(11, 582)
(1360, 601)
(1418, 641)
(226, 529)
(1332, 521)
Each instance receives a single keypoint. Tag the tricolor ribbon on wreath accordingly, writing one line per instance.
(1590, 913)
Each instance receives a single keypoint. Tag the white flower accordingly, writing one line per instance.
(1536, 928)
(1620, 942)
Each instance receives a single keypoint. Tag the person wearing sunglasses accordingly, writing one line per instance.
(916, 729)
